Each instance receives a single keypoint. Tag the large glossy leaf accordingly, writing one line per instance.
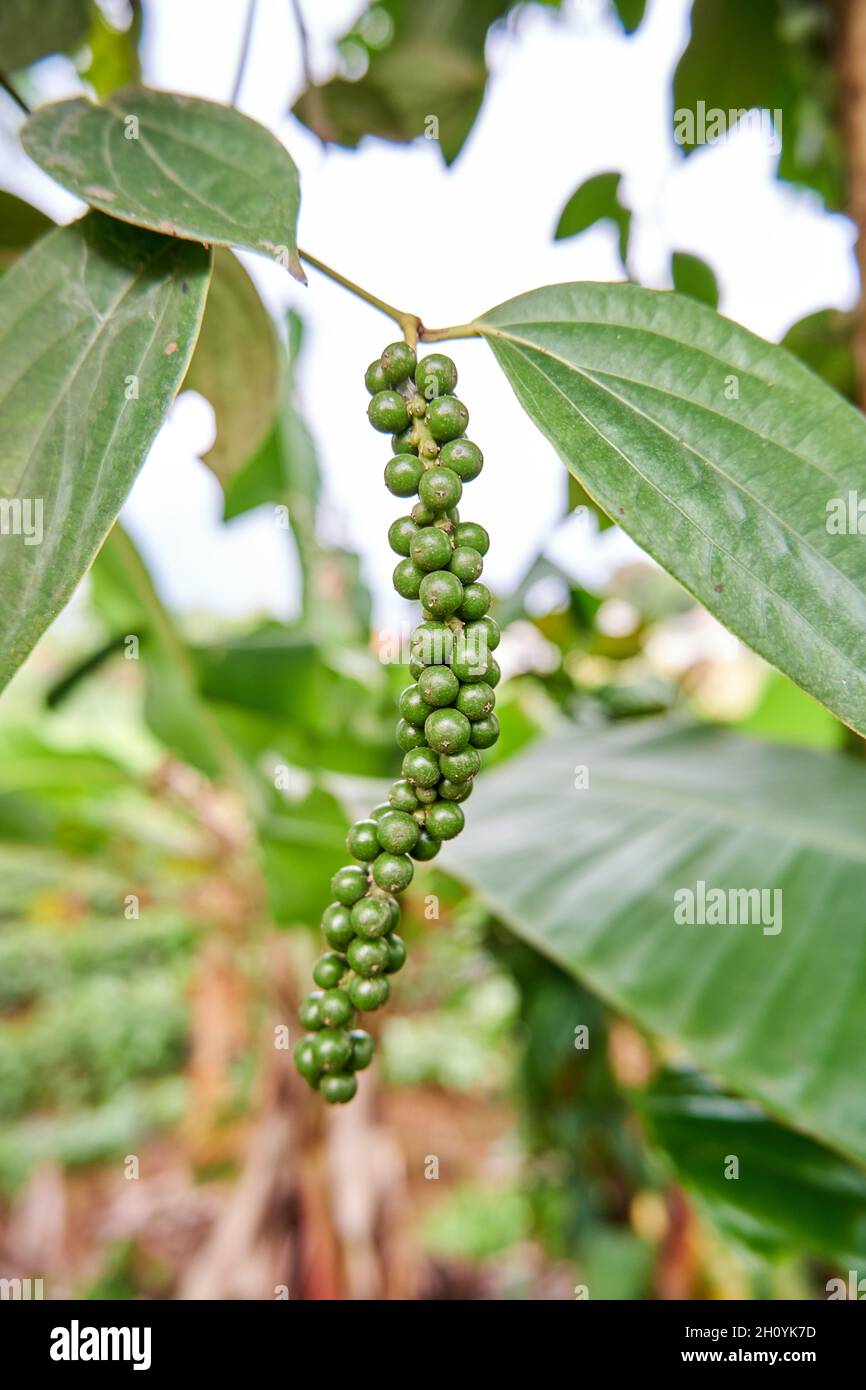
(589, 877)
(97, 325)
(717, 452)
(176, 164)
(787, 1192)
(31, 29)
(235, 366)
(20, 225)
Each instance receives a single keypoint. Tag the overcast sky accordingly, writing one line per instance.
(571, 96)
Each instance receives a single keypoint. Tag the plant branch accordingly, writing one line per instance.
(245, 51)
(10, 91)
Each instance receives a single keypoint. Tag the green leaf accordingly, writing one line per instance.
(694, 277)
(97, 325)
(175, 164)
(824, 342)
(719, 453)
(303, 842)
(631, 13)
(588, 878)
(431, 63)
(20, 225)
(788, 1193)
(31, 29)
(235, 366)
(596, 200)
(113, 53)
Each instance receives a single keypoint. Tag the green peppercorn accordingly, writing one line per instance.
(349, 884)
(406, 442)
(435, 375)
(409, 736)
(361, 840)
(393, 872)
(446, 418)
(380, 809)
(305, 1060)
(447, 731)
(441, 593)
(421, 766)
(444, 820)
(438, 687)
(432, 643)
(476, 601)
(402, 796)
(413, 707)
(471, 534)
(336, 1008)
(329, 970)
(375, 379)
(398, 363)
(362, 1049)
(485, 732)
(396, 954)
(338, 1087)
(397, 832)
(483, 634)
(430, 548)
(371, 918)
(459, 767)
(400, 534)
(464, 457)
(439, 488)
(403, 474)
(426, 848)
(476, 700)
(422, 515)
(387, 412)
(470, 666)
(425, 795)
(369, 957)
(407, 579)
(369, 994)
(494, 675)
(310, 1012)
(466, 563)
(394, 909)
(332, 1049)
(454, 791)
(337, 926)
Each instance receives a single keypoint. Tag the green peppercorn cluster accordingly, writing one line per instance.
(446, 716)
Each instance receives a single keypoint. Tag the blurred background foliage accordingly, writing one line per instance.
(174, 799)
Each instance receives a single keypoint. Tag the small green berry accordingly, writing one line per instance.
(400, 534)
(396, 954)
(435, 375)
(459, 767)
(427, 847)
(337, 926)
(349, 884)
(446, 418)
(403, 474)
(406, 442)
(476, 601)
(466, 563)
(476, 700)
(379, 810)
(375, 379)
(338, 1087)
(332, 1048)
(393, 872)
(336, 1008)
(485, 732)
(432, 643)
(398, 363)
(387, 412)
(471, 534)
(369, 994)
(464, 457)
(369, 957)
(407, 579)
(441, 593)
(447, 731)
(329, 970)
(362, 1049)
(422, 515)
(430, 548)
(371, 918)
(439, 488)
(470, 665)
(305, 1060)
(394, 909)
(310, 1012)
(454, 791)
(483, 634)
(425, 795)
(413, 707)
(402, 795)
(361, 840)
(409, 736)
(421, 766)
(397, 832)
(494, 675)
(444, 820)
(438, 686)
